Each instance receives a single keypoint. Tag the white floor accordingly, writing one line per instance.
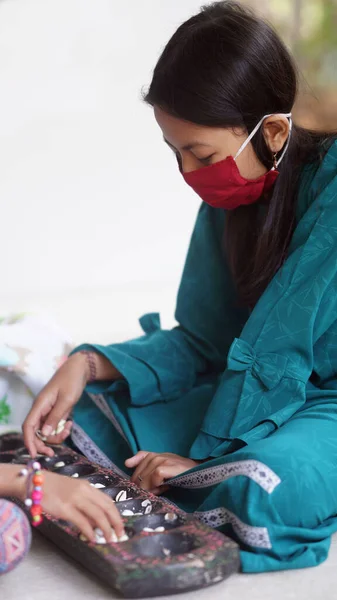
(46, 574)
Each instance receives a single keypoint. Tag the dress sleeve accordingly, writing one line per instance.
(163, 364)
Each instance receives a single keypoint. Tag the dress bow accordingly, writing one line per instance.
(268, 367)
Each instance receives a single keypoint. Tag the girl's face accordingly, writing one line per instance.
(197, 146)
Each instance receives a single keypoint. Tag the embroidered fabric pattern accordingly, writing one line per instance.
(257, 537)
(255, 470)
(15, 536)
(91, 451)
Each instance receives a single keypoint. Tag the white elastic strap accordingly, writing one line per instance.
(246, 142)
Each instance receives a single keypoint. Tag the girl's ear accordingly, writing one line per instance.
(276, 131)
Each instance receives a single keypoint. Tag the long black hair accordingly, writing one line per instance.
(225, 67)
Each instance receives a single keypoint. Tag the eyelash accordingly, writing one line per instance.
(206, 159)
(202, 160)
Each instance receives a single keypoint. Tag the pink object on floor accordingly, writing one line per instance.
(15, 536)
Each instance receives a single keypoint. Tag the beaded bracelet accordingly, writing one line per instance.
(34, 495)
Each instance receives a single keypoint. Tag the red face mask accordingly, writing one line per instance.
(222, 186)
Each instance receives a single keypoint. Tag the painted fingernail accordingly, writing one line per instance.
(46, 430)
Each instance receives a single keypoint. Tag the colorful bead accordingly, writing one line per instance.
(36, 521)
(36, 496)
(37, 479)
(36, 510)
(34, 487)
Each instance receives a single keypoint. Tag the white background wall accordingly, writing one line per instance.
(95, 218)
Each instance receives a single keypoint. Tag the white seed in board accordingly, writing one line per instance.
(146, 502)
(121, 496)
(37, 456)
(60, 464)
(100, 539)
(127, 513)
(170, 517)
(75, 475)
(166, 551)
(148, 510)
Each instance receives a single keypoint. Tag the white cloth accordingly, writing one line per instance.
(32, 348)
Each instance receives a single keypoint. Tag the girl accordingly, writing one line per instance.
(64, 498)
(236, 408)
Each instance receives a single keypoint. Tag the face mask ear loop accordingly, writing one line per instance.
(246, 142)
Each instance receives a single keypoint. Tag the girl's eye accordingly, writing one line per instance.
(207, 159)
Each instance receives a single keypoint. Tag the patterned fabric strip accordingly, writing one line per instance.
(256, 537)
(255, 470)
(102, 404)
(85, 444)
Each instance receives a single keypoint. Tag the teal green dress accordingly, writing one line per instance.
(255, 394)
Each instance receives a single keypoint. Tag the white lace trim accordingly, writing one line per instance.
(257, 537)
(255, 470)
(85, 444)
(102, 404)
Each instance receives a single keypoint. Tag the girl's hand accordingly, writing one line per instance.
(58, 397)
(54, 403)
(151, 470)
(83, 505)
(69, 499)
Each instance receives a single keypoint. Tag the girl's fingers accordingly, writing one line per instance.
(42, 448)
(59, 411)
(111, 513)
(161, 473)
(30, 426)
(138, 472)
(158, 491)
(145, 470)
(60, 437)
(33, 422)
(81, 521)
(97, 514)
(135, 460)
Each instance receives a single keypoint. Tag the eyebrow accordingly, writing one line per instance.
(188, 146)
